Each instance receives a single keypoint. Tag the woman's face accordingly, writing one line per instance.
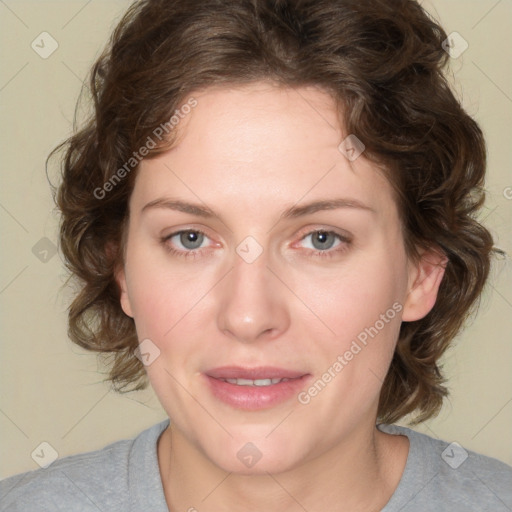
(258, 250)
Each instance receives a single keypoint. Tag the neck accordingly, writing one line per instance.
(360, 473)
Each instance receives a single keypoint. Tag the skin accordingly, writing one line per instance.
(249, 153)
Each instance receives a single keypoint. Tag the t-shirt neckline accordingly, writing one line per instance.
(150, 490)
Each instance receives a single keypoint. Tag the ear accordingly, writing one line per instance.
(425, 277)
(124, 298)
(120, 277)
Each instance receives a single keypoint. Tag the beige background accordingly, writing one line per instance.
(50, 389)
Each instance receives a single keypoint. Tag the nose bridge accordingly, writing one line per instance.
(252, 305)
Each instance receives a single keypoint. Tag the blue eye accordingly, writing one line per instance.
(325, 243)
(188, 242)
(323, 240)
(190, 239)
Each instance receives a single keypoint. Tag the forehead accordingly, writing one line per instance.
(260, 146)
(261, 122)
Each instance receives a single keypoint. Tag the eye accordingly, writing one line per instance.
(185, 242)
(189, 239)
(325, 243)
(322, 240)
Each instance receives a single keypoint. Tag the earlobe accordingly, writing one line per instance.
(424, 282)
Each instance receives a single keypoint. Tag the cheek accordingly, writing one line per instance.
(361, 305)
(355, 297)
(363, 312)
(166, 306)
(159, 299)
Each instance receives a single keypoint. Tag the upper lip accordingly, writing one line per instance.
(260, 372)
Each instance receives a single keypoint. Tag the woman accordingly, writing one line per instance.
(271, 213)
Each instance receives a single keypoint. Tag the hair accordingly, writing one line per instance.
(383, 63)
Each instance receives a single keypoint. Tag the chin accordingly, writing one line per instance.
(244, 457)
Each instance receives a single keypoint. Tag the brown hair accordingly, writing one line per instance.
(382, 61)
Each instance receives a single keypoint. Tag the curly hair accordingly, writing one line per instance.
(383, 63)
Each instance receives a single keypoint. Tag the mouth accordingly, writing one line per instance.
(256, 382)
(254, 388)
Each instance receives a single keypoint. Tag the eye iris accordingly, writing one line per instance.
(325, 239)
(193, 238)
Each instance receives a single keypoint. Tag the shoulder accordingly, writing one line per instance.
(441, 475)
(78, 479)
(86, 481)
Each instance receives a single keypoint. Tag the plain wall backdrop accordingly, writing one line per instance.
(51, 390)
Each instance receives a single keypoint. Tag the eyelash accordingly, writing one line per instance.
(177, 252)
(193, 253)
(328, 253)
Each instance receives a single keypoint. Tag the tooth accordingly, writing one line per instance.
(256, 382)
(263, 382)
(245, 382)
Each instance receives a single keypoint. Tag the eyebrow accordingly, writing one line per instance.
(292, 212)
(328, 204)
(181, 206)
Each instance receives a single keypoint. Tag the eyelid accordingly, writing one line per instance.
(342, 234)
(344, 238)
(186, 253)
(189, 227)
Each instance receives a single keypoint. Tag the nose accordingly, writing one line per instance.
(252, 304)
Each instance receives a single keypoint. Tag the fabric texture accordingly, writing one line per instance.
(124, 476)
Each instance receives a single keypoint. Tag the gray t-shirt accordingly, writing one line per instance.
(124, 476)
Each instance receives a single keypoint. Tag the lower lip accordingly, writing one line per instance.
(254, 398)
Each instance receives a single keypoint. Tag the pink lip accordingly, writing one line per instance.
(261, 372)
(252, 398)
